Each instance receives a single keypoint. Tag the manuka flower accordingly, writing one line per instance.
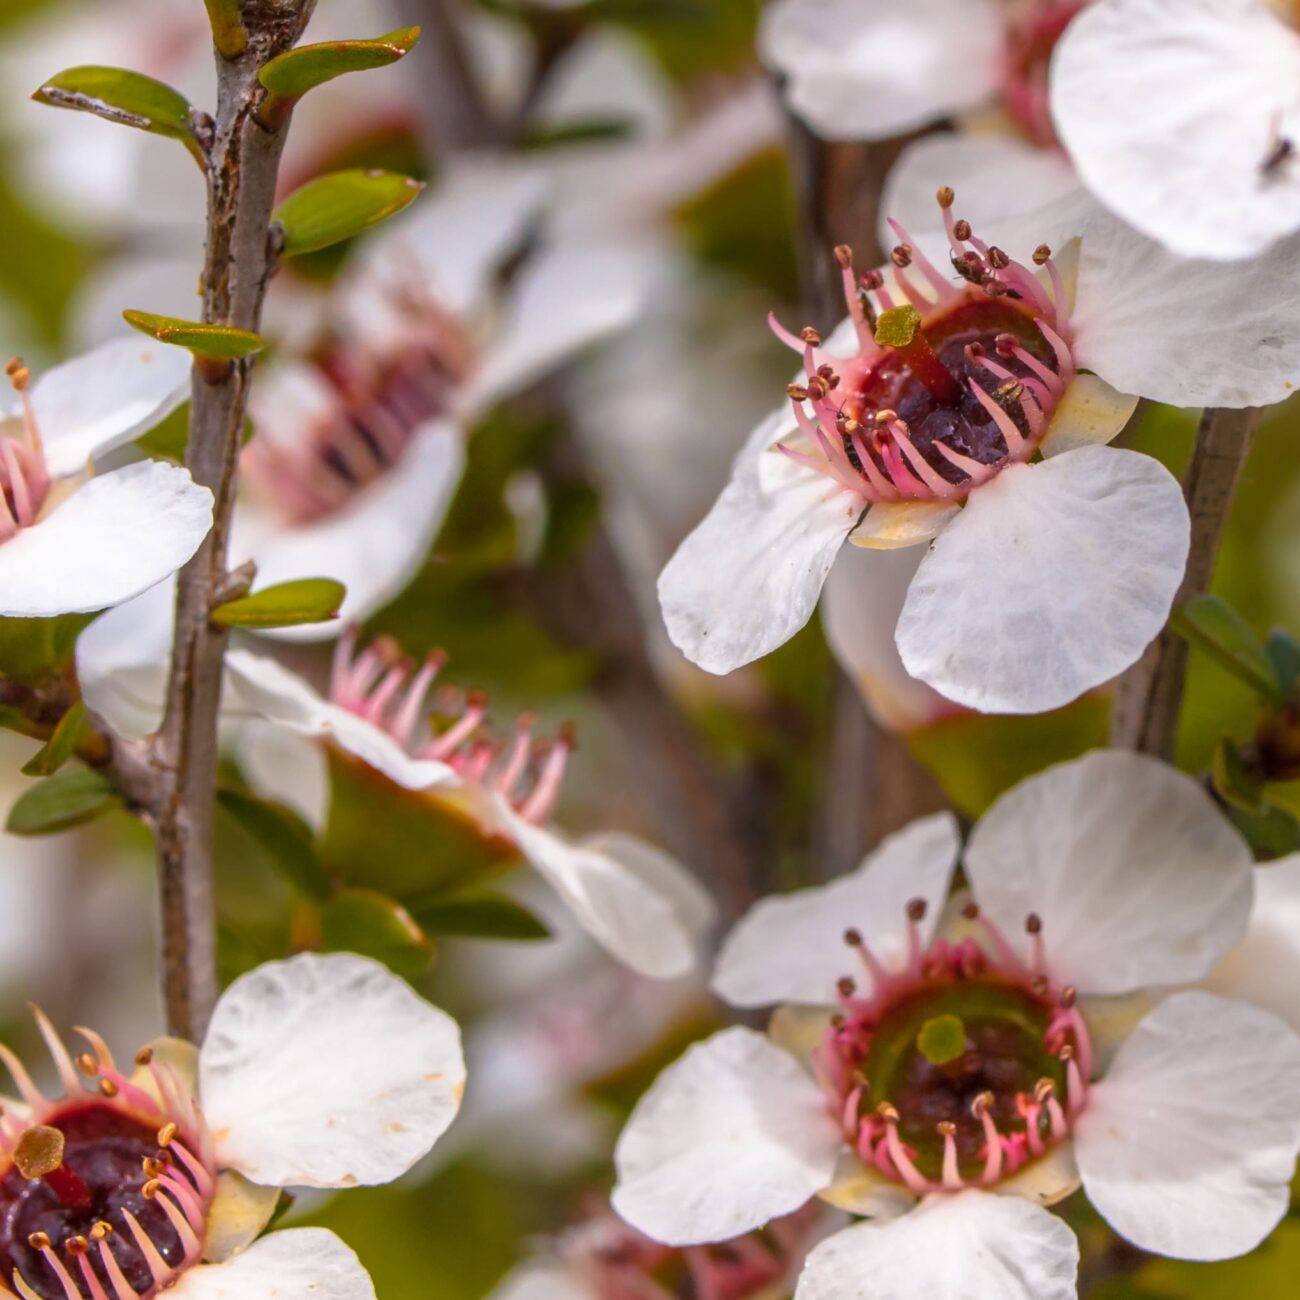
(971, 1074)
(1183, 119)
(630, 897)
(868, 70)
(315, 1072)
(916, 423)
(72, 541)
(359, 447)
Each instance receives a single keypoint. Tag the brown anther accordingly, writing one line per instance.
(837, 1021)
(153, 1168)
(166, 1135)
(946, 1128)
(1033, 922)
(998, 260)
(796, 392)
(885, 416)
(810, 336)
(567, 735)
(88, 1065)
(961, 230)
(144, 1057)
(971, 911)
(1066, 1053)
(817, 388)
(101, 1230)
(975, 349)
(108, 1088)
(887, 1112)
(853, 938)
(19, 375)
(1042, 255)
(1006, 344)
(946, 196)
(847, 425)
(970, 268)
(980, 1104)
(1069, 995)
(1040, 986)
(872, 280)
(916, 909)
(844, 255)
(150, 1189)
(902, 256)
(39, 1241)
(39, 1151)
(846, 987)
(76, 1246)
(1044, 1089)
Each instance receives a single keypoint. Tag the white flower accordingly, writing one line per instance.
(632, 898)
(72, 541)
(871, 69)
(1183, 119)
(319, 1071)
(970, 1076)
(358, 454)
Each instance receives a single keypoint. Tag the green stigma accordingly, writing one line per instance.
(942, 1039)
(897, 327)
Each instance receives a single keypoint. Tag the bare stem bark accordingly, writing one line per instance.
(243, 161)
(1149, 697)
(873, 784)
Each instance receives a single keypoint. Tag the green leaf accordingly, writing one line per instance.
(286, 838)
(1272, 832)
(1214, 626)
(228, 32)
(126, 98)
(209, 342)
(371, 923)
(1284, 655)
(32, 647)
(65, 799)
(1233, 779)
(292, 74)
(287, 604)
(477, 916)
(61, 745)
(336, 207)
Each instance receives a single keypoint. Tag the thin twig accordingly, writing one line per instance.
(243, 161)
(1149, 697)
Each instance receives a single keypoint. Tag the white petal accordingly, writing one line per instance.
(123, 659)
(299, 1264)
(1185, 333)
(973, 1246)
(748, 578)
(857, 70)
(286, 767)
(790, 947)
(260, 686)
(106, 397)
(692, 904)
(1265, 967)
(542, 1282)
(996, 178)
(863, 599)
(1158, 101)
(114, 537)
(624, 910)
(731, 1136)
(893, 525)
(327, 1071)
(1188, 1145)
(375, 544)
(565, 299)
(1137, 877)
(1054, 578)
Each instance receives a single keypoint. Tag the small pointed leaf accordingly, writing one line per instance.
(477, 916)
(292, 74)
(65, 799)
(1233, 780)
(228, 32)
(1214, 626)
(374, 925)
(340, 205)
(287, 604)
(31, 647)
(1284, 654)
(61, 745)
(207, 342)
(285, 837)
(125, 98)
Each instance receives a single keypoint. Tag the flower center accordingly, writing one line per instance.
(960, 1069)
(949, 384)
(379, 401)
(1031, 41)
(104, 1193)
(382, 686)
(24, 478)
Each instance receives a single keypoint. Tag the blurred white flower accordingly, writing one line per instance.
(70, 540)
(315, 1072)
(1183, 119)
(968, 1077)
(632, 898)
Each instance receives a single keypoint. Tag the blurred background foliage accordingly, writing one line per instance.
(449, 1231)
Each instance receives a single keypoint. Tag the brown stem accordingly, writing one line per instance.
(243, 162)
(873, 784)
(1149, 697)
